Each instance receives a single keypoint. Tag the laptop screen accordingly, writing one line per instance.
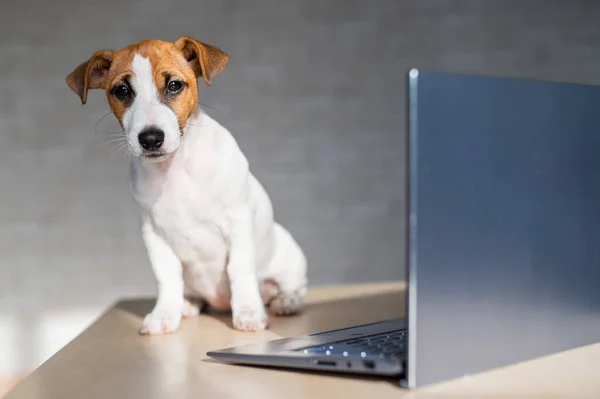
(504, 241)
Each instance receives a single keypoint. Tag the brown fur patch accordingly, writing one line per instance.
(186, 60)
(165, 59)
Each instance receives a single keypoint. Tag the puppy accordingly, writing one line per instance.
(207, 223)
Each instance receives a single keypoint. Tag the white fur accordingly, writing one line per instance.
(147, 110)
(208, 223)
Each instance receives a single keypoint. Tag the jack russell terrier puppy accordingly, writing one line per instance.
(207, 223)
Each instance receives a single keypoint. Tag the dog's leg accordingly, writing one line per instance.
(192, 307)
(282, 303)
(246, 304)
(166, 315)
(193, 303)
(283, 282)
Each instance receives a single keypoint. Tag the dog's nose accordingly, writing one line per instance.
(151, 138)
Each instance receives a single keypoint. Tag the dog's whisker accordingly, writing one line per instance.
(115, 154)
(114, 145)
(117, 148)
(116, 135)
(212, 108)
(117, 140)
(121, 147)
(120, 133)
(100, 120)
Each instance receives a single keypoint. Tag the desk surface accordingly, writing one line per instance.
(110, 360)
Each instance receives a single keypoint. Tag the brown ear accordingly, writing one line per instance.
(206, 60)
(91, 74)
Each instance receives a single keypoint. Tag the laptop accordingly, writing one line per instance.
(503, 238)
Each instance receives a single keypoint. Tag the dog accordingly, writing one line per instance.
(207, 222)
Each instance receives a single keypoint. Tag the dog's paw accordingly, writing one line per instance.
(191, 308)
(250, 320)
(286, 304)
(161, 321)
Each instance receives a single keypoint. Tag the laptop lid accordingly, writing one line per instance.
(504, 235)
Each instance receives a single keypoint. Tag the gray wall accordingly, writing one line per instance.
(314, 93)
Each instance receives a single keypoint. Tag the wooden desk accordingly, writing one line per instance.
(109, 360)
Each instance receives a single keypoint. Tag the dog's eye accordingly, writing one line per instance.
(121, 92)
(174, 87)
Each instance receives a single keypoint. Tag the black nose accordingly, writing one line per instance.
(151, 138)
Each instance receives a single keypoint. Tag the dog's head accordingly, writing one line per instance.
(152, 89)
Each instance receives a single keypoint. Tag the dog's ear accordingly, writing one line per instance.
(206, 60)
(91, 74)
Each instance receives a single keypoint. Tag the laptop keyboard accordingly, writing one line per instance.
(390, 345)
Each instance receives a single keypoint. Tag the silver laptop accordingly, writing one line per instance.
(503, 238)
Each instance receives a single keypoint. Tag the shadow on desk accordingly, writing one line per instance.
(317, 316)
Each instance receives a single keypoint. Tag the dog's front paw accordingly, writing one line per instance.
(250, 319)
(161, 321)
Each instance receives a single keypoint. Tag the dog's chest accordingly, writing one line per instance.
(185, 211)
